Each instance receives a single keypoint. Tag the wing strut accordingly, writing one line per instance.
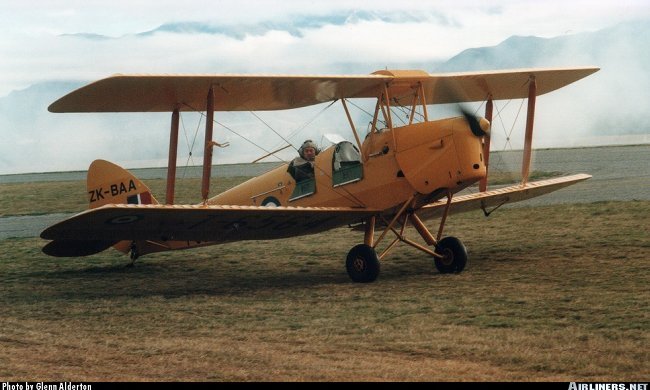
(207, 152)
(354, 130)
(530, 119)
(171, 163)
(489, 107)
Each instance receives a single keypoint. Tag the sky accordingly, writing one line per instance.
(40, 41)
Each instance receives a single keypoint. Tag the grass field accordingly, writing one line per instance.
(70, 196)
(551, 293)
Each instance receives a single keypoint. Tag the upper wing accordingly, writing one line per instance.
(112, 223)
(165, 93)
(500, 85)
(497, 197)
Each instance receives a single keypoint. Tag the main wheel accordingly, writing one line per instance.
(454, 255)
(362, 264)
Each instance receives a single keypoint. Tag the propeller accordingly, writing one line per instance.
(480, 126)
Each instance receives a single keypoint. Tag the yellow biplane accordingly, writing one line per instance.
(396, 176)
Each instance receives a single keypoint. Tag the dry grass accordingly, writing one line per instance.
(551, 293)
(70, 196)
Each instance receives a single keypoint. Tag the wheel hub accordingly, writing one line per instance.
(359, 264)
(447, 256)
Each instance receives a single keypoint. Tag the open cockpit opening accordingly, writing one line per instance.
(346, 164)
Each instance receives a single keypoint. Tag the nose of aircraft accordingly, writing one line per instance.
(485, 126)
(480, 126)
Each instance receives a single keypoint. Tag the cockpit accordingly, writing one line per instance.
(346, 168)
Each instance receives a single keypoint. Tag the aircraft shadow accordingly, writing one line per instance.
(157, 279)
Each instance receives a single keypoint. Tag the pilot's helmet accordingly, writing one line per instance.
(308, 144)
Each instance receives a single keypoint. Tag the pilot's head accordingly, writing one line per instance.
(308, 150)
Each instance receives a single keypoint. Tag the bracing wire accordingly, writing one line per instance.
(514, 122)
(268, 126)
(190, 146)
(272, 129)
(232, 131)
(507, 132)
(349, 196)
(371, 115)
(310, 121)
(402, 110)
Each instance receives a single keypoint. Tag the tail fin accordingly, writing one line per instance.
(108, 183)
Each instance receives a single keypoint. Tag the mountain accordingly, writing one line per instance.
(613, 101)
(609, 48)
(35, 140)
(20, 108)
(295, 25)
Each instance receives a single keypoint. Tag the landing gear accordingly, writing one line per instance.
(133, 255)
(362, 264)
(454, 255)
(449, 253)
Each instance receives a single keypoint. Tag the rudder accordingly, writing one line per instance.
(108, 183)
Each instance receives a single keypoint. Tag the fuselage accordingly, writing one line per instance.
(417, 163)
(424, 160)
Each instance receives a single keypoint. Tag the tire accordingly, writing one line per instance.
(455, 255)
(362, 264)
(271, 201)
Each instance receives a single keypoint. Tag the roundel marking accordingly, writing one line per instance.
(124, 219)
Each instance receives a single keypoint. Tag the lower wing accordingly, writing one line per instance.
(97, 229)
(495, 198)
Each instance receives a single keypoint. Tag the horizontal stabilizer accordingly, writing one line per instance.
(497, 197)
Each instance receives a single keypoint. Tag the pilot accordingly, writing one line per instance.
(302, 167)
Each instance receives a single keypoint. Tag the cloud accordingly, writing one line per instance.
(91, 40)
(60, 39)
